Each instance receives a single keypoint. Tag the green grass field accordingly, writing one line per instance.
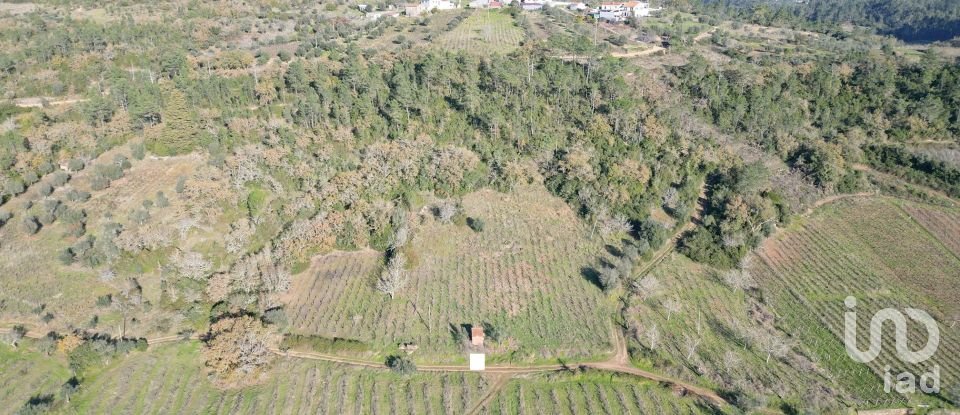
(522, 274)
(876, 250)
(26, 374)
(484, 32)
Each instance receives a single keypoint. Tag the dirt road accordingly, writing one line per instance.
(499, 381)
(671, 244)
(38, 102)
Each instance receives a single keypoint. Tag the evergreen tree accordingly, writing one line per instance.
(179, 134)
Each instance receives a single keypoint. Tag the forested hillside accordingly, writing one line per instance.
(911, 21)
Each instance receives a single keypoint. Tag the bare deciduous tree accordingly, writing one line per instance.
(107, 275)
(400, 237)
(739, 279)
(240, 233)
(772, 344)
(731, 361)
(191, 264)
(446, 211)
(653, 337)
(614, 225)
(690, 344)
(646, 287)
(394, 277)
(672, 306)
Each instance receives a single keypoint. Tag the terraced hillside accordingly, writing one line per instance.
(522, 273)
(876, 250)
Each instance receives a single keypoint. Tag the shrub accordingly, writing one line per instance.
(76, 165)
(46, 218)
(66, 256)
(31, 225)
(99, 182)
(162, 200)
(275, 316)
(476, 224)
(181, 183)
(30, 178)
(140, 216)
(138, 150)
(98, 349)
(609, 279)
(72, 385)
(45, 168)
(37, 404)
(401, 364)
(122, 162)
(492, 332)
(59, 178)
(46, 189)
(78, 196)
(14, 187)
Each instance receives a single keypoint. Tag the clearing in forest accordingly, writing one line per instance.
(522, 273)
(484, 32)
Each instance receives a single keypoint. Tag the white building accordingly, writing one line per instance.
(414, 10)
(620, 11)
(638, 8)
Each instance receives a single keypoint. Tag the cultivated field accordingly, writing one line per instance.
(715, 333)
(943, 223)
(484, 32)
(170, 379)
(36, 282)
(589, 393)
(26, 374)
(871, 249)
(521, 274)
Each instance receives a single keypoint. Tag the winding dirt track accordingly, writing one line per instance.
(707, 394)
(503, 373)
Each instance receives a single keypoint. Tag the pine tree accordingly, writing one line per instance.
(179, 134)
